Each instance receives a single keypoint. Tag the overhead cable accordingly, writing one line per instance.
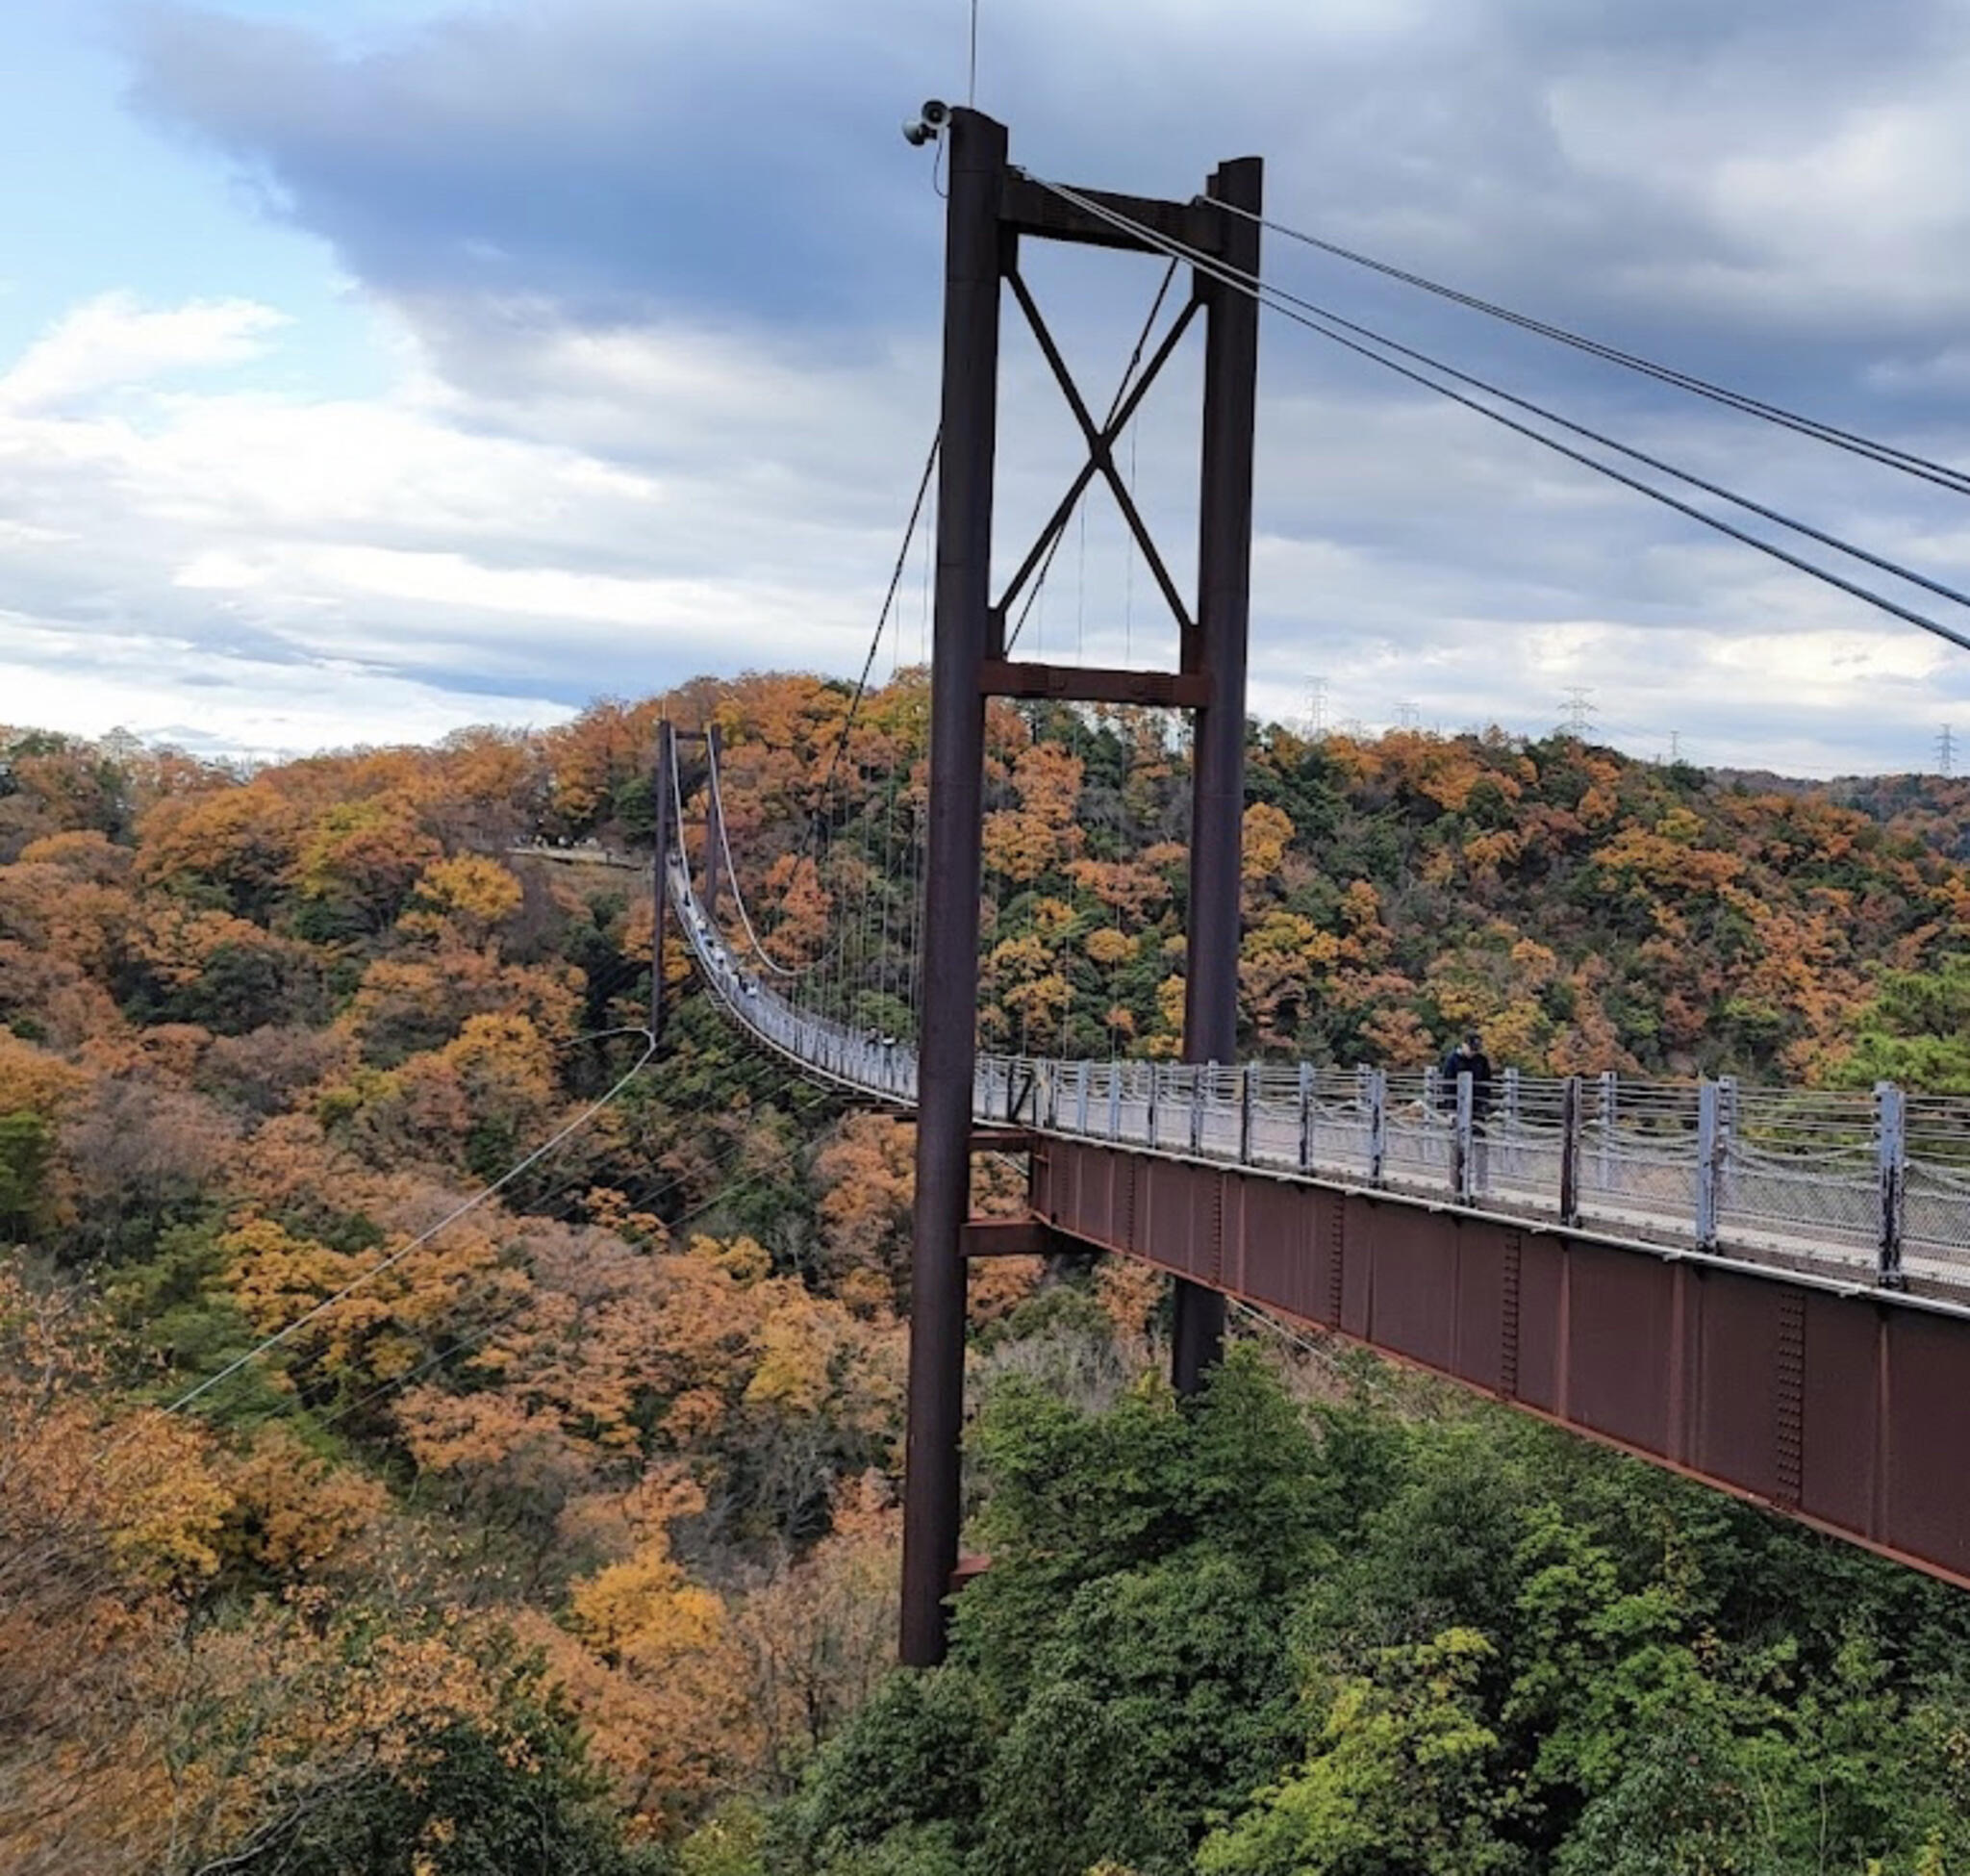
(1289, 307)
(452, 1349)
(1548, 416)
(1887, 455)
(272, 1342)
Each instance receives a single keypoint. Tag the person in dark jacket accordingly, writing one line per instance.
(1468, 1058)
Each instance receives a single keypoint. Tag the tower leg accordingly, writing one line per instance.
(973, 265)
(1217, 833)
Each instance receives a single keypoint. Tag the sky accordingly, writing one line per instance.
(369, 368)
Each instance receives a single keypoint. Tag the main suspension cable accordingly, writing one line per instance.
(717, 803)
(1289, 307)
(1887, 455)
(896, 580)
(1548, 416)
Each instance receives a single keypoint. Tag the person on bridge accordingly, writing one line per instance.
(1468, 1058)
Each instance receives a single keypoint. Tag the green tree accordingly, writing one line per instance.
(911, 1765)
(27, 1151)
(466, 1803)
(1917, 1033)
(1405, 1776)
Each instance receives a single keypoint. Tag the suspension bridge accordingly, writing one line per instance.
(1767, 1289)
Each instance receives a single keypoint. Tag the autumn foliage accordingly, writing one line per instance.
(579, 1504)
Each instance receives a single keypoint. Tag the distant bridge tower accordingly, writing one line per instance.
(992, 207)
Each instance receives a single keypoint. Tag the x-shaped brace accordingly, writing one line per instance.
(1100, 440)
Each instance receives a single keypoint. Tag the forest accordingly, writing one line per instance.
(558, 1533)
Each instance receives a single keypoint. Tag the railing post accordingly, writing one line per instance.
(1377, 1124)
(1115, 1100)
(1245, 1075)
(1196, 1104)
(1607, 1119)
(1511, 1095)
(1080, 1096)
(1570, 1151)
(1155, 1084)
(1711, 1135)
(1462, 1159)
(1306, 1116)
(1891, 1156)
(1726, 1141)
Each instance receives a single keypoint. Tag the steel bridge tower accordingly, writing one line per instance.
(992, 207)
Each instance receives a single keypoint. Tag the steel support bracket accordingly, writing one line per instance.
(1030, 208)
(1009, 1237)
(1003, 1139)
(1173, 690)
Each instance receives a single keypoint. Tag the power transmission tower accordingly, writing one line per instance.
(1945, 752)
(1407, 716)
(1675, 746)
(1316, 718)
(1579, 711)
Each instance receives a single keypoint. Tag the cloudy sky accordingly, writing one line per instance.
(371, 368)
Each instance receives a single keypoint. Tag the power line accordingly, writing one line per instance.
(1285, 304)
(272, 1342)
(1316, 709)
(1886, 455)
(439, 1358)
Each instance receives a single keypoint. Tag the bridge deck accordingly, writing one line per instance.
(1715, 1303)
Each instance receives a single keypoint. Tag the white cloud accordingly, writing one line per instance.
(426, 557)
(273, 574)
(219, 703)
(115, 340)
(512, 528)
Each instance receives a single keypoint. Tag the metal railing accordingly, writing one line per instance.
(1875, 1183)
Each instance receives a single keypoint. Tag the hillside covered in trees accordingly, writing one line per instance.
(559, 1530)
